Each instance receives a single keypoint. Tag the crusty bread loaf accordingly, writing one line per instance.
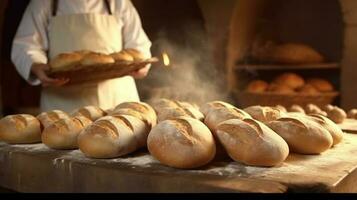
(182, 143)
(314, 109)
(20, 129)
(136, 54)
(295, 53)
(321, 85)
(337, 115)
(257, 86)
(162, 102)
(206, 108)
(144, 108)
(122, 57)
(91, 112)
(264, 114)
(131, 112)
(48, 118)
(302, 134)
(191, 109)
(330, 126)
(108, 137)
(352, 114)
(63, 134)
(291, 80)
(219, 115)
(297, 109)
(308, 89)
(252, 143)
(281, 108)
(96, 59)
(65, 61)
(167, 113)
(280, 89)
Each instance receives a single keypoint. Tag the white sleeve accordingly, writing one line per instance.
(30, 44)
(134, 35)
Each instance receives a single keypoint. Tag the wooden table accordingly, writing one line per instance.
(35, 168)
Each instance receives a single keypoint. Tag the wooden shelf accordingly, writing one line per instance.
(287, 67)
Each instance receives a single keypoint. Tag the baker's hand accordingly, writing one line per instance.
(141, 73)
(39, 70)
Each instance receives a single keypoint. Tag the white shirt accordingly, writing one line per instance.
(31, 41)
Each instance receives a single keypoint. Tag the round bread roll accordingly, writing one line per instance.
(257, 86)
(330, 126)
(312, 109)
(337, 115)
(239, 136)
(219, 115)
(96, 59)
(321, 85)
(208, 107)
(280, 89)
(328, 107)
(352, 114)
(184, 143)
(65, 61)
(91, 112)
(264, 114)
(303, 135)
(122, 56)
(295, 53)
(63, 134)
(144, 108)
(108, 137)
(137, 55)
(308, 89)
(297, 109)
(291, 80)
(48, 118)
(20, 129)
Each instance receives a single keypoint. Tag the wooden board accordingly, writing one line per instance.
(81, 74)
(349, 126)
(35, 168)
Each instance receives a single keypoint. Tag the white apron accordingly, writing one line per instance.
(94, 32)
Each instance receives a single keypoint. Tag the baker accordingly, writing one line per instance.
(51, 27)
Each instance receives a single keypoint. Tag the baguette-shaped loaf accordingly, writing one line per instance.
(303, 135)
(330, 126)
(20, 129)
(91, 112)
(336, 114)
(108, 137)
(63, 134)
(48, 118)
(252, 142)
(144, 108)
(182, 143)
(206, 108)
(219, 115)
(264, 114)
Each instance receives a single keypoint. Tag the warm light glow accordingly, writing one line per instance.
(166, 59)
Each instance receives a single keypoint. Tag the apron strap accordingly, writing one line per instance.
(55, 7)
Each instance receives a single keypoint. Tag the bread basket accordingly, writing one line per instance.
(246, 99)
(95, 73)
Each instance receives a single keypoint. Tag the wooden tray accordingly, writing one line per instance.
(95, 73)
(349, 126)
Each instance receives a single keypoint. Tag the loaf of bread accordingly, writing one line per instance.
(122, 57)
(280, 89)
(48, 118)
(337, 115)
(257, 86)
(96, 59)
(65, 61)
(321, 85)
(136, 54)
(162, 103)
(352, 114)
(297, 109)
(281, 108)
(63, 134)
(252, 143)
(308, 89)
(148, 112)
(184, 143)
(20, 129)
(330, 126)
(303, 135)
(109, 137)
(219, 115)
(208, 107)
(291, 80)
(131, 112)
(91, 112)
(295, 53)
(313, 109)
(264, 114)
